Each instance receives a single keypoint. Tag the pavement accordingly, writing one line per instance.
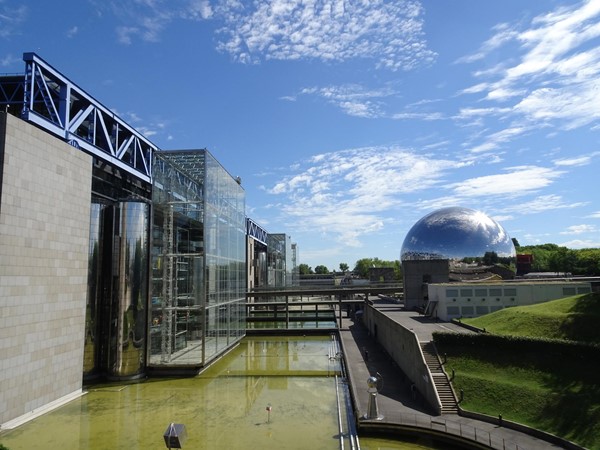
(400, 407)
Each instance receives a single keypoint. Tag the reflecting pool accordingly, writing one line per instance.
(267, 393)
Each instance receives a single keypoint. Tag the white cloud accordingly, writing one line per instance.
(9, 60)
(548, 202)
(352, 99)
(11, 18)
(124, 34)
(497, 139)
(503, 34)
(580, 229)
(517, 182)
(553, 70)
(578, 243)
(72, 32)
(416, 115)
(349, 193)
(388, 32)
(583, 160)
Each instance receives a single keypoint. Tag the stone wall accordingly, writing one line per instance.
(44, 232)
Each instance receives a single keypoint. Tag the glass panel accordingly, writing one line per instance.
(199, 259)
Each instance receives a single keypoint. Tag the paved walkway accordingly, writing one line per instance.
(397, 404)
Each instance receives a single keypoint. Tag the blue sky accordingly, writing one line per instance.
(350, 120)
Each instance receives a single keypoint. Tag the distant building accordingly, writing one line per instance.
(524, 263)
(449, 301)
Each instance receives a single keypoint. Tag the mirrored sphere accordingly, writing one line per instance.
(457, 234)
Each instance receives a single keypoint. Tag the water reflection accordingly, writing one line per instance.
(223, 408)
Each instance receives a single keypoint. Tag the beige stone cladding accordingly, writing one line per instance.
(44, 233)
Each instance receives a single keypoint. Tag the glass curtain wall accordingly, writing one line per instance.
(225, 259)
(198, 260)
(176, 335)
(276, 244)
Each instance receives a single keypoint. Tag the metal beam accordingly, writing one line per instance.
(56, 104)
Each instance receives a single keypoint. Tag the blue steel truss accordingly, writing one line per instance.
(53, 102)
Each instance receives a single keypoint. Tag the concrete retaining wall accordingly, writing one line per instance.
(403, 347)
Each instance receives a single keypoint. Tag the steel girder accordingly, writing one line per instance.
(54, 103)
(256, 231)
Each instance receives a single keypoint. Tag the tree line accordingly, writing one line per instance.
(361, 268)
(554, 258)
(546, 258)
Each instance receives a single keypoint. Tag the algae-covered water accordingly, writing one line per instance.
(268, 393)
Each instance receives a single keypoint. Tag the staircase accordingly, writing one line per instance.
(442, 385)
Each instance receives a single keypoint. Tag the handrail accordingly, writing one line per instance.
(441, 425)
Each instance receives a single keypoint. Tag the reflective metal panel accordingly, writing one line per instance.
(457, 234)
(128, 315)
(91, 344)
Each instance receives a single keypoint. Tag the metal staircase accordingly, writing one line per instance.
(440, 380)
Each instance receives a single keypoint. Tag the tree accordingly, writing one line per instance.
(563, 260)
(344, 267)
(363, 265)
(321, 270)
(305, 269)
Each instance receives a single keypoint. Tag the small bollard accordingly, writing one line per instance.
(175, 435)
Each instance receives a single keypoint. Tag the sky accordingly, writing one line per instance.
(348, 121)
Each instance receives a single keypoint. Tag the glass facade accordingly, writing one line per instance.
(283, 268)
(198, 260)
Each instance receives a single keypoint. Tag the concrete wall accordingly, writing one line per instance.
(417, 275)
(404, 348)
(44, 232)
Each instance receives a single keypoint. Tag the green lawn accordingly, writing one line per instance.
(573, 318)
(557, 394)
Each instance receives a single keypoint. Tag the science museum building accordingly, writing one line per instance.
(117, 259)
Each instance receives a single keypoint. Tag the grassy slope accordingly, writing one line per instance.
(558, 396)
(573, 318)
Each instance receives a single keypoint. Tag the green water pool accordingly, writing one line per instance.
(267, 393)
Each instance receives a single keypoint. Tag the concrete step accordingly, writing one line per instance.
(442, 385)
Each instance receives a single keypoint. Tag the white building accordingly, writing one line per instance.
(449, 301)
